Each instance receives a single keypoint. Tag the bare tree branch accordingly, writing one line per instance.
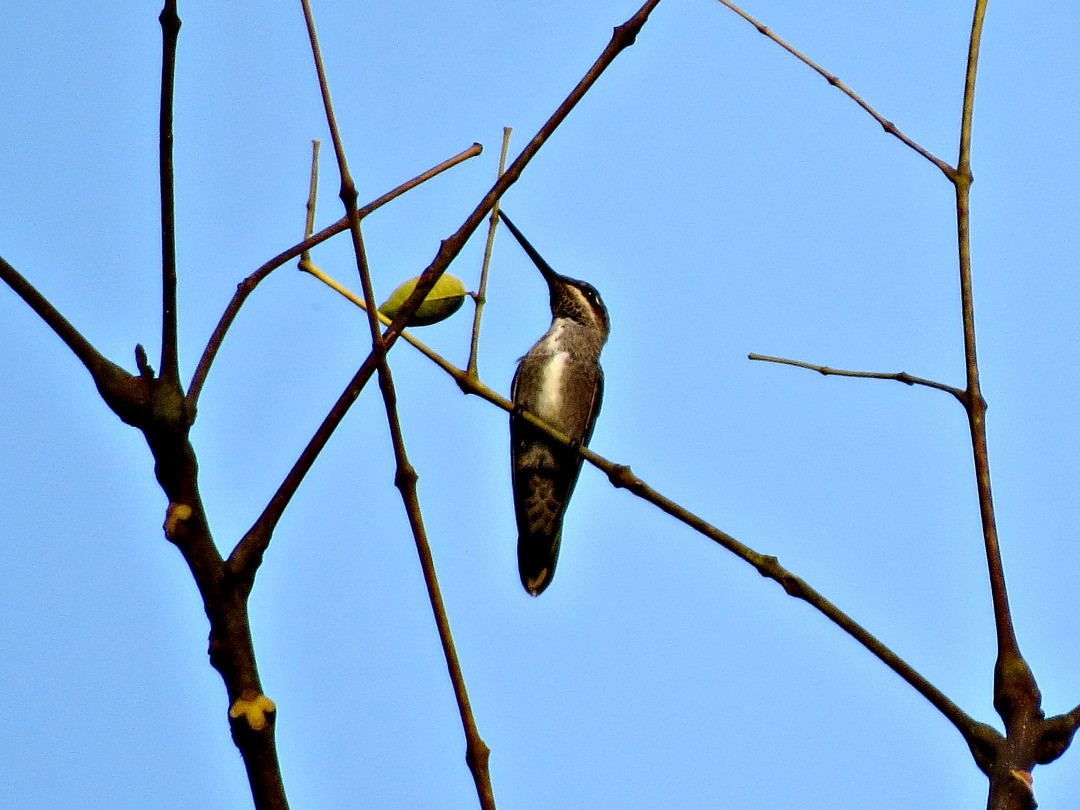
(170, 30)
(898, 376)
(477, 752)
(481, 290)
(122, 391)
(834, 80)
(1016, 694)
(621, 38)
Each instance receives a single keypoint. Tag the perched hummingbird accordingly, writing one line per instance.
(560, 381)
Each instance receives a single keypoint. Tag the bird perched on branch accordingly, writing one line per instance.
(560, 381)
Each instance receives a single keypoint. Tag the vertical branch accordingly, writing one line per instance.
(1016, 694)
(481, 291)
(313, 187)
(170, 29)
(165, 424)
(1013, 679)
(477, 752)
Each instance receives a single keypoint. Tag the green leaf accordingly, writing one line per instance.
(445, 298)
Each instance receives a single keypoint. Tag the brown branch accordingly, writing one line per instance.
(983, 739)
(1008, 647)
(477, 751)
(125, 393)
(313, 187)
(248, 285)
(481, 291)
(170, 30)
(166, 422)
(834, 80)
(1016, 694)
(1057, 736)
(898, 376)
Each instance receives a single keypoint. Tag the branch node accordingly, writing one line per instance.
(984, 742)
(175, 517)
(405, 476)
(255, 708)
(621, 476)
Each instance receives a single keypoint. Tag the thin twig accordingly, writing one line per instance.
(477, 752)
(1016, 694)
(248, 285)
(1006, 635)
(313, 187)
(79, 345)
(170, 363)
(898, 376)
(481, 292)
(125, 394)
(834, 80)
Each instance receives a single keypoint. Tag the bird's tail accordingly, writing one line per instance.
(537, 554)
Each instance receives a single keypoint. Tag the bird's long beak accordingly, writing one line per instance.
(544, 268)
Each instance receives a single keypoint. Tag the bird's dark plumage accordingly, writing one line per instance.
(545, 471)
(560, 381)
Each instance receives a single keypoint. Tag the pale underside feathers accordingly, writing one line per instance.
(545, 471)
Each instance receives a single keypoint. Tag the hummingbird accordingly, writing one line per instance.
(559, 380)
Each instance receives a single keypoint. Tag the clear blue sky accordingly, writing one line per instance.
(724, 200)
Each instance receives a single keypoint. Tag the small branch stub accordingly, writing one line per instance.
(621, 476)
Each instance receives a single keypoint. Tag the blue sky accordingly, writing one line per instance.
(724, 200)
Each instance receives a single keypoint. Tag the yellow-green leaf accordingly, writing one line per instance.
(445, 298)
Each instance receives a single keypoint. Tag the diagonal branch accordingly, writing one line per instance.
(123, 392)
(834, 80)
(898, 376)
(246, 557)
(980, 737)
(621, 38)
